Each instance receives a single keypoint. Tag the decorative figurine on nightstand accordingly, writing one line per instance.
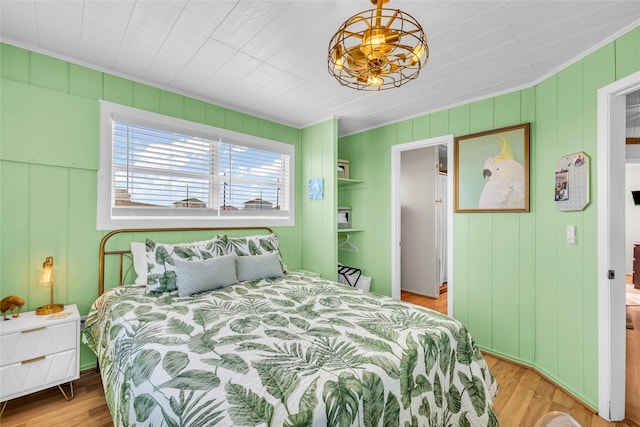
(9, 304)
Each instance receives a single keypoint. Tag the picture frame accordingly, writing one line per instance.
(343, 169)
(492, 170)
(561, 189)
(316, 189)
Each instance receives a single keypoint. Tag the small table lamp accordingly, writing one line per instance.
(47, 279)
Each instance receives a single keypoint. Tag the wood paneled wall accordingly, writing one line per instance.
(522, 291)
(49, 135)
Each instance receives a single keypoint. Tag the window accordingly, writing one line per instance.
(160, 171)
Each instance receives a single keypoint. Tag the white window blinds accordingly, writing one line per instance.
(166, 170)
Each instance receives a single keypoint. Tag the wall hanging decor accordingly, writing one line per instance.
(343, 169)
(571, 190)
(492, 170)
(316, 189)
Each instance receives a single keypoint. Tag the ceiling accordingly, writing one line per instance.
(269, 58)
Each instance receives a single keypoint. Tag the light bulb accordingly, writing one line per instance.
(418, 51)
(375, 44)
(338, 58)
(46, 278)
(374, 81)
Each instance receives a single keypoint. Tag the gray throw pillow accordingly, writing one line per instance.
(256, 267)
(199, 276)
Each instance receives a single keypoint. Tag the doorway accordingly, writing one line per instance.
(397, 151)
(611, 241)
(632, 256)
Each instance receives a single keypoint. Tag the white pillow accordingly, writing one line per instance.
(199, 276)
(256, 267)
(139, 252)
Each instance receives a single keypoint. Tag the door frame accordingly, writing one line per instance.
(611, 239)
(396, 151)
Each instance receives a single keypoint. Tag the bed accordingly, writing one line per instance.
(288, 350)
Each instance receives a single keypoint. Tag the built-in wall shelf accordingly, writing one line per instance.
(346, 181)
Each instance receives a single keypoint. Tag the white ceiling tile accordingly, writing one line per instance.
(304, 54)
(259, 78)
(149, 26)
(190, 33)
(59, 25)
(104, 25)
(269, 40)
(18, 22)
(232, 71)
(455, 17)
(484, 47)
(246, 21)
(204, 64)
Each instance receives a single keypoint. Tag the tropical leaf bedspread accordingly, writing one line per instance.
(296, 351)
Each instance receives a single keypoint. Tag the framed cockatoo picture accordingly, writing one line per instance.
(492, 170)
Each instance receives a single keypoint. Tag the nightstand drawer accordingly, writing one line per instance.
(37, 342)
(30, 375)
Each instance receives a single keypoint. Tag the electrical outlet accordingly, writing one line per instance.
(83, 322)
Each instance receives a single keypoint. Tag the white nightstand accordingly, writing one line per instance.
(38, 352)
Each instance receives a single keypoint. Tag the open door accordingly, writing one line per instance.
(419, 221)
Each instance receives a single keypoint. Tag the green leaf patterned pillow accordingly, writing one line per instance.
(162, 276)
(260, 244)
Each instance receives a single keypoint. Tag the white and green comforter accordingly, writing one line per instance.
(295, 351)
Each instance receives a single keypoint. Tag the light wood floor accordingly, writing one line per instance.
(523, 397)
(632, 390)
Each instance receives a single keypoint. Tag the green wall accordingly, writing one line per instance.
(319, 217)
(48, 161)
(523, 292)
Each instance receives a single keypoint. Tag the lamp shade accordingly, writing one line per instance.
(46, 278)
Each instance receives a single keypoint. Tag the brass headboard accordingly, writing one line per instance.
(123, 253)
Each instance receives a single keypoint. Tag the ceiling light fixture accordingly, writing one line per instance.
(378, 49)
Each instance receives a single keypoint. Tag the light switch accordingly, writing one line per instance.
(571, 234)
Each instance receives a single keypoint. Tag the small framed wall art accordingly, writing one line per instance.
(316, 189)
(343, 169)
